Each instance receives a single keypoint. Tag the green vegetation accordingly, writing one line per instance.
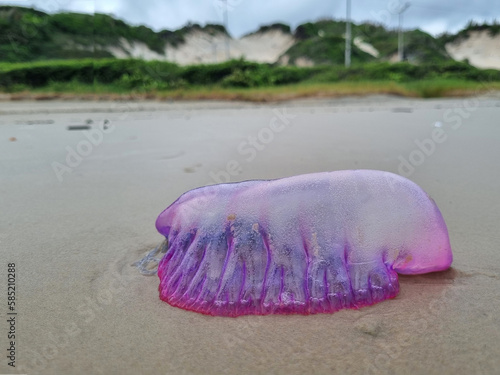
(27, 35)
(422, 89)
(143, 75)
(65, 53)
(177, 37)
(325, 50)
(322, 42)
(30, 35)
(419, 46)
(493, 30)
(275, 26)
(323, 27)
(249, 80)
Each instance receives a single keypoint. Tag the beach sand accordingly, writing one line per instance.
(75, 215)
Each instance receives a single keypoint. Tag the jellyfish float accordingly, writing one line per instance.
(307, 244)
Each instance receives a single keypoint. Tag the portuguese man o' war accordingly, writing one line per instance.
(307, 244)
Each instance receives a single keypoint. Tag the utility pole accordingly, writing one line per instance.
(402, 9)
(226, 22)
(348, 35)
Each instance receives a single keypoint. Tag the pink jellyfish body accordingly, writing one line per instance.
(307, 244)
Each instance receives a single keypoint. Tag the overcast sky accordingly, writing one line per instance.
(247, 15)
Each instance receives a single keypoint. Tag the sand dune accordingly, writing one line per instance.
(202, 47)
(135, 49)
(480, 48)
(366, 47)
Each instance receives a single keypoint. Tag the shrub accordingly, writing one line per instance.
(159, 75)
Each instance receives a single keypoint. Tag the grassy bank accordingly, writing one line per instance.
(422, 89)
(237, 80)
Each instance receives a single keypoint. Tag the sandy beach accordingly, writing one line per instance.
(82, 184)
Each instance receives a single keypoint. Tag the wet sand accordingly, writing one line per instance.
(77, 209)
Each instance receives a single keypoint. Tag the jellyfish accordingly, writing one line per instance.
(307, 244)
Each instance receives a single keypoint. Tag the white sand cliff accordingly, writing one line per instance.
(135, 49)
(202, 47)
(480, 48)
(365, 47)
